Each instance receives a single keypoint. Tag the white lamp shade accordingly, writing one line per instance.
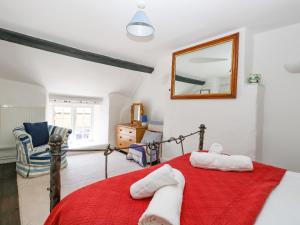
(140, 25)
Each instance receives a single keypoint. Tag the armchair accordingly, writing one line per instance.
(142, 154)
(35, 161)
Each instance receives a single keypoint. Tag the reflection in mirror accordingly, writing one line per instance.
(137, 113)
(206, 71)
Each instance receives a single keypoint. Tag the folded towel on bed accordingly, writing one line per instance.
(216, 148)
(152, 182)
(165, 206)
(221, 162)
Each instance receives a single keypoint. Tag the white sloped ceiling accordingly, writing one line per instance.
(99, 26)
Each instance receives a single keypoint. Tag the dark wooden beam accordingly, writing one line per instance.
(189, 80)
(49, 46)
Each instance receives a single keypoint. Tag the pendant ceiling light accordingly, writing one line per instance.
(140, 24)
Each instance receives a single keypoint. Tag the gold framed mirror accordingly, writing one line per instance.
(206, 71)
(137, 109)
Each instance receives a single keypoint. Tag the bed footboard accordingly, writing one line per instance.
(56, 143)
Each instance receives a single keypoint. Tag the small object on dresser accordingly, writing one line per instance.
(254, 78)
(144, 120)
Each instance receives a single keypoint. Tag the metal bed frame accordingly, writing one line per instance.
(56, 151)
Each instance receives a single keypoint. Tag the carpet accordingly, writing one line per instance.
(9, 205)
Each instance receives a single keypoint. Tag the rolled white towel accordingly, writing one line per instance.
(152, 182)
(216, 148)
(165, 206)
(221, 162)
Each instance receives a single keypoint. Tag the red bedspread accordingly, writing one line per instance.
(210, 197)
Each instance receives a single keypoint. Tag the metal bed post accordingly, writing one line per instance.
(55, 143)
(106, 153)
(181, 139)
(202, 129)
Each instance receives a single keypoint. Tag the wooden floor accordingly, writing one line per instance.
(9, 204)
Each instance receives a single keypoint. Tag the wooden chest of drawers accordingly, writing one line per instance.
(128, 134)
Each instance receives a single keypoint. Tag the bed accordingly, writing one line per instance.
(268, 195)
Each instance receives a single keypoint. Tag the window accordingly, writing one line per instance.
(63, 117)
(84, 115)
(77, 118)
(83, 123)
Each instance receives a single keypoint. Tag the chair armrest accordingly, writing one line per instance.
(21, 135)
(23, 141)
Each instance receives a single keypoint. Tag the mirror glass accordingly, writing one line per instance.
(137, 113)
(205, 71)
(137, 110)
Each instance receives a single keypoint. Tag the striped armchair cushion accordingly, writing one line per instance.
(43, 157)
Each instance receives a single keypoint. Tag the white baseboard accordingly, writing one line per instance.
(7, 160)
(8, 155)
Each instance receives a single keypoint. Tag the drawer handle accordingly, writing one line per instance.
(120, 129)
(120, 144)
(120, 136)
(130, 132)
(130, 140)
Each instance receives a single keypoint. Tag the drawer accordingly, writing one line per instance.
(124, 141)
(127, 131)
(126, 138)
(124, 144)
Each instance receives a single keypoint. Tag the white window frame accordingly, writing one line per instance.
(73, 118)
(92, 118)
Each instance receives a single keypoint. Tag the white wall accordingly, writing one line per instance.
(25, 102)
(281, 136)
(101, 122)
(231, 122)
(21, 94)
(117, 102)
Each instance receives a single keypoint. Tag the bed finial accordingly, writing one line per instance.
(202, 129)
(55, 143)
